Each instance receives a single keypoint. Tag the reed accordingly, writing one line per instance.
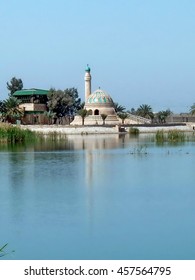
(2, 252)
(13, 134)
(160, 136)
(176, 136)
(173, 136)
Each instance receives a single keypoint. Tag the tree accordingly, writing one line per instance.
(119, 108)
(2, 107)
(104, 116)
(132, 111)
(123, 116)
(83, 113)
(162, 115)
(51, 116)
(12, 110)
(14, 85)
(192, 109)
(64, 102)
(2, 110)
(145, 111)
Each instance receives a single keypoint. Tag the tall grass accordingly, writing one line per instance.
(13, 134)
(172, 136)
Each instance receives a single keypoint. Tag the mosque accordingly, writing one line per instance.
(97, 104)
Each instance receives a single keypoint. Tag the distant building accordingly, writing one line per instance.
(34, 104)
(180, 118)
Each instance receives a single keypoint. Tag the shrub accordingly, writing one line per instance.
(134, 131)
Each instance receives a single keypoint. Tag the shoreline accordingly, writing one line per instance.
(85, 130)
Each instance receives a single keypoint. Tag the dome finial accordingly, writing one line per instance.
(87, 69)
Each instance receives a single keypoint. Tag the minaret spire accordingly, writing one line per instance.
(87, 82)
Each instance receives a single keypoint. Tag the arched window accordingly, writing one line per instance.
(90, 112)
(96, 112)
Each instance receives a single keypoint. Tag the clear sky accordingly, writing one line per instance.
(139, 51)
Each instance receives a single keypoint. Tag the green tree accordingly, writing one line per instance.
(132, 111)
(119, 108)
(145, 111)
(2, 110)
(192, 109)
(83, 113)
(123, 116)
(14, 85)
(12, 111)
(2, 106)
(64, 102)
(162, 115)
(104, 116)
(51, 116)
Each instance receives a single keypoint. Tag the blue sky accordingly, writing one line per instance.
(139, 51)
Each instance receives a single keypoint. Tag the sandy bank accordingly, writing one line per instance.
(46, 129)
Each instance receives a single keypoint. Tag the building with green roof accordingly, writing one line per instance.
(34, 103)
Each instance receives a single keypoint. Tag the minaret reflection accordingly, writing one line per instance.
(94, 147)
(95, 155)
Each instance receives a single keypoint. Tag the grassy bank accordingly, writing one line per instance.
(13, 134)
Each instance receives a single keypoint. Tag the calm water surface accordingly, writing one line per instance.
(98, 197)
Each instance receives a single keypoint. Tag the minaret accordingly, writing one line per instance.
(87, 82)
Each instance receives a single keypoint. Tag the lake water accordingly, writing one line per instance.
(98, 197)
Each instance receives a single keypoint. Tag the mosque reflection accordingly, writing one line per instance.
(96, 142)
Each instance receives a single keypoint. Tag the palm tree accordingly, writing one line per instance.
(83, 113)
(104, 116)
(12, 110)
(162, 115)
(123, 116)
(192, 109)
(119, 108)
(132, 111)
(50, 115)
(145, 111)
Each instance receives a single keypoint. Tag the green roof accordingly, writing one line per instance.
(32, 91)
(99, 96)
